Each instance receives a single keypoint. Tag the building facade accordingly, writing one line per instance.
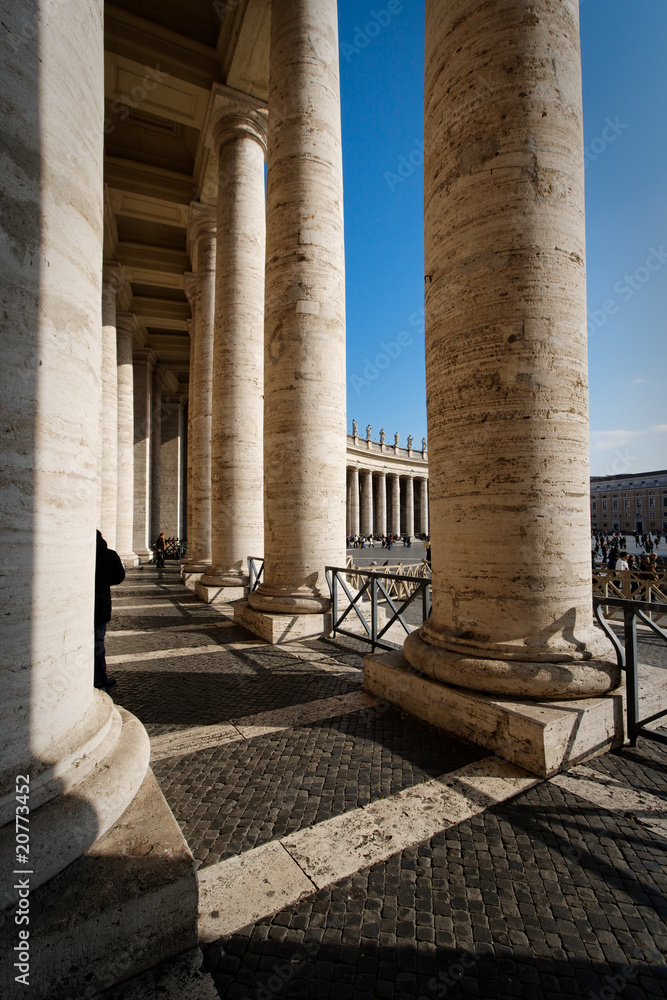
(634, 502)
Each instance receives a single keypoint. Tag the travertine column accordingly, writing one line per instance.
(381, 503)
(395, 521)
(506, 354)
(144, 363)
(423, 506)
(172, 451)
(190, 283)
(126, 324)
(112, 281)
(304, 360)
(84, 759)
(237, 518)
(202, 229)
(366, 502)
(354, 501)
(409, 506)
(156, 453)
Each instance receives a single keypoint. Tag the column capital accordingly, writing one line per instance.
(240, 123)
(144, 354)
(225, 101)
(201, 220)
(127, 325)
(113, 277)
(190, 286)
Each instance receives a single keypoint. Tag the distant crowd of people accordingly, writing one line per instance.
(384, 541)
(609, 550)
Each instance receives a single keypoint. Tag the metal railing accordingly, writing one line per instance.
(632, 612)
(629, 585)
(376, 586)
(255, 572)
(396, 574)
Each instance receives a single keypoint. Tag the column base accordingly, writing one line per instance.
(542, 737)
(132, 559)
(127, 904)
(214, 594)
(278, 628)
(193, 571)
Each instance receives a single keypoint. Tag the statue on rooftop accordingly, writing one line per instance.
(409, 442)
(354, 428)
(396, 440)
(368, 432)
(382, 436)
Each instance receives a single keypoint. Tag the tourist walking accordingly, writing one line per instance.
(109, 571)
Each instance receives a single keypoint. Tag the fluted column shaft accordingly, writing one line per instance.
(506, 353)
(190, 284)
(381, 503)
(237, 510)
(112, 282)
(171, 461)
(366, 502)
(199, 494)
(304, 360)
(126, 323)
(395, 522)
(354, 501)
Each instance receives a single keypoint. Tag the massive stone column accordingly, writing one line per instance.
(202, 231)
(172, 451)
(354, 501)
(409, 506)
(156, 453)
(366, 502)
(423, 506)
(304, 360)
(112, 281)
(126, 324)
(506, 355)
(144, 365)
(190, 282)
(83, 759)
(395, 519)
(237, 519)
(381, 503)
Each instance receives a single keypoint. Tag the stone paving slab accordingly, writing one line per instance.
(544, 896)
(547, 895)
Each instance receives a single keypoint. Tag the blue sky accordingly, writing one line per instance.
(625, 135)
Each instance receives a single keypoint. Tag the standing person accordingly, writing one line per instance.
(109, 571)
(160, 547)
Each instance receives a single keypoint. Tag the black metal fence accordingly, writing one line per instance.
(626, 653)
(255, 572)
(375, 587)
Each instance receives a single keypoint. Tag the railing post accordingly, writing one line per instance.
(334, 602)
(374, 612)
(631, 673)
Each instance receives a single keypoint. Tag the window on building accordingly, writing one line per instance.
(614, 504)
(639, 502)
(651, 501)
(626, 505)
(594, 504)
(664, 501)
(604, 504)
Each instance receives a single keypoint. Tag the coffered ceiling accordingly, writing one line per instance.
(163, 63)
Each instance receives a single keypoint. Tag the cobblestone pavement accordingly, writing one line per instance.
(545, 895)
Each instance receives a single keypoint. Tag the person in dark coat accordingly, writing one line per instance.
(160, 548)
(109, 571)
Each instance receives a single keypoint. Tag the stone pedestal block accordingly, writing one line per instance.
(219, 595)
(542, 737)
(127, 904)
(190, 577)
(282, 628)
